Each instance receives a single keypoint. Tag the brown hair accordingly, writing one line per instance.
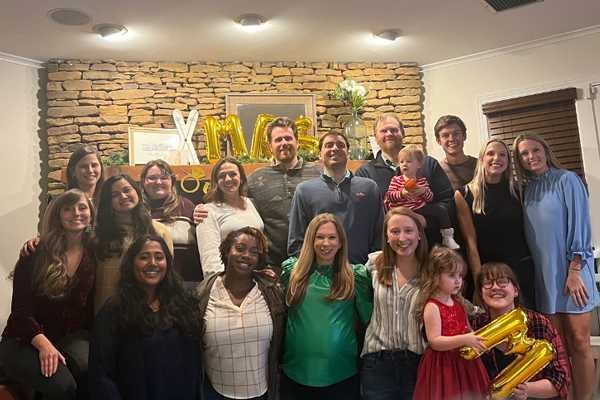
(495, 270)
(386, 116)
(523, 174)
(214, 194)
(386, 260)
(342, 284)
(282, 122)
(333, 133)
(173, 199)
(446, 121)
(74, 159)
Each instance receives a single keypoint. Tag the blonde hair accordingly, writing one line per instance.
(477, 185)
(50, 276)
(441, 259)
(386, 260)
(412, 151)
(523, 174)
(342, 284)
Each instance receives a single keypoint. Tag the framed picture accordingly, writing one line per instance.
(249, 106)
(147, 144)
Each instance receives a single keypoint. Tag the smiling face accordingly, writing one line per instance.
(283, 145)
(150, 266)
(243, 256)
(495, 161)
(229, 179)
(403, 236)
(327, 244)
(450, 282)
(157, 183)
(532, 157)
(409, 166)
(76, 218)
(452, 139)
(334, 152)
(389, 135)
(500, 300)
(87, 171)
(124, 198)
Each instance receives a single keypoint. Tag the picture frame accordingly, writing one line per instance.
(147, 144)
(249, 106)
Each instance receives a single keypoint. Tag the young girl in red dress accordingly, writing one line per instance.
(443, 374)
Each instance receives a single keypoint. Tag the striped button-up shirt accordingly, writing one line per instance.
(393, 325)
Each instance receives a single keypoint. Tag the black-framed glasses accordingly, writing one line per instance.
(154, 178)
(502, 282)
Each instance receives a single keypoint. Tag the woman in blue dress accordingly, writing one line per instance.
(559, 233)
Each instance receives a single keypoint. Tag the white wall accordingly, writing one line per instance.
(459, 87)
(20, 165)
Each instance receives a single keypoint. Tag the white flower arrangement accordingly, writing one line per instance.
(351, 94)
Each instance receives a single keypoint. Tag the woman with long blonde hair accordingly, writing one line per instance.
(490, 215)
(559, 233)
(324, 293)
(45, 345)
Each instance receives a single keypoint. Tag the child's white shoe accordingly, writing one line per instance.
(448, 239)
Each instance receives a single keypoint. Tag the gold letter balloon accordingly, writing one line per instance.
(260, 143)
(533, 355)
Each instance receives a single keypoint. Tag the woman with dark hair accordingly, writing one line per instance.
(44, 344)
(145, 340)
(122, 218)
(325, 294)
(393, 343)
(490, 214)
(176, 214)
(228, 210)
(559, 233)
(85, 172)
(244, 322)
(499, 289)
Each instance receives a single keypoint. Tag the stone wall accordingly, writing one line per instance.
(95, 101)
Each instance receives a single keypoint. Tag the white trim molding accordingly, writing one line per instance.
(27, 62)
(592, 30)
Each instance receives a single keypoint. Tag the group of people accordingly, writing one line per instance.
(281, 282)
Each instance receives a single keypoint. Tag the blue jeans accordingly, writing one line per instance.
(211, 394)
(390, 375)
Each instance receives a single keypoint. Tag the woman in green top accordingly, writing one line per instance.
(324, 293)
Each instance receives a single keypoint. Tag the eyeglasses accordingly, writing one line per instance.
(154, 178)
(502, 282)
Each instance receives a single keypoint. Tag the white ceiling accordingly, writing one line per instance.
(308, 30)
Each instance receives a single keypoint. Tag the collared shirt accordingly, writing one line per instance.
(272, 187)
(236, 343)
(347, 176)
(389, 162)
(393, 325)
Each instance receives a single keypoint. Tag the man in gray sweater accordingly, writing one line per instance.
(356, 201)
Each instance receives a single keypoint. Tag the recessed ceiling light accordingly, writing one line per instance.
(388, 34)
(109, 30)
(69, 16)
(250, 20)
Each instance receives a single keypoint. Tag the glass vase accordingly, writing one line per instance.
(356, 132)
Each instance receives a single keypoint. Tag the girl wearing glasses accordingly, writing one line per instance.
(500, 291)
(228, 210)
(176, 214)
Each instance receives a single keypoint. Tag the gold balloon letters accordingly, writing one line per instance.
(260, 143)
(533, 355)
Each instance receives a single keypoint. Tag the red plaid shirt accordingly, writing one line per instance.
(539, 327)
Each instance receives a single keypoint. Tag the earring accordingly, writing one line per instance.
(88, 228)
(388, 240)
(339, 247)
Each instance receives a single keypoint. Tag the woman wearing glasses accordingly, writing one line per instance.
(176, 214)
(499, 289)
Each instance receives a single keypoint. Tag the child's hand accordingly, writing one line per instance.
(473, 341)
(419, 190)
(405, 194)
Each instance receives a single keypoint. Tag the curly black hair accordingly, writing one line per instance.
(261, 243)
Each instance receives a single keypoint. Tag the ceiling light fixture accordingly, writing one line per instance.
(388, 34)
(250, 20)
(109, 30)
(69, 16)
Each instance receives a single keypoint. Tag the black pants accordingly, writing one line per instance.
(438, 212)
(348, 389)
(22, 363)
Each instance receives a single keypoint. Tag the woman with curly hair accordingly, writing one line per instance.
(324, 293)
(44, 344)
(145, 340)
(122, 218)
(176, 213)
(228, 209)
(244, 322)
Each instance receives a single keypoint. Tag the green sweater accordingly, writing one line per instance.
(320, 345)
